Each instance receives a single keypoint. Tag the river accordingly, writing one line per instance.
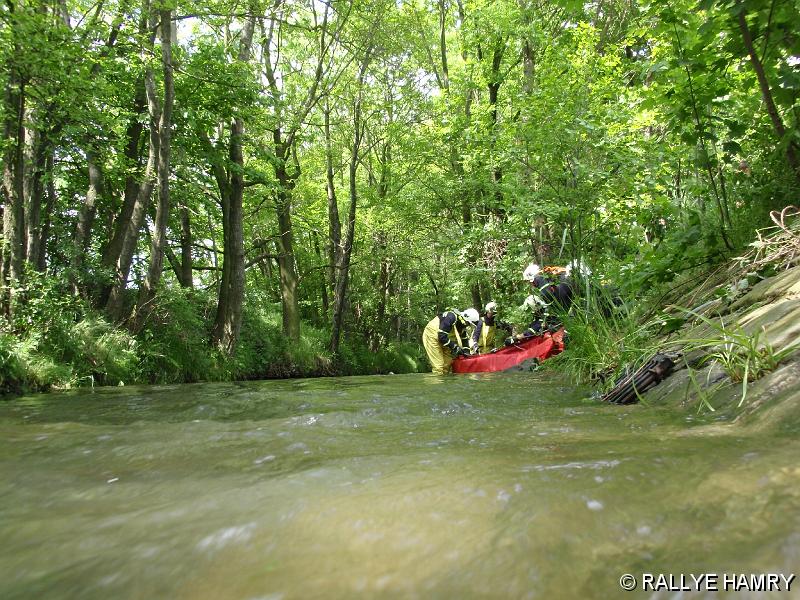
(408, 486)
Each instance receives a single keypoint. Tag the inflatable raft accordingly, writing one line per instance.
(540, 347)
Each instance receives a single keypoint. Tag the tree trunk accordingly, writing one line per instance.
(334, 224)
(766, 93)
(443, 45)
(289, 279)
(86, 217)
(34, 220)
(494, 90)
(228, 322)
(41, 257)
(223, 299)
(115, 305)
(133, 135)
(159, 240)
(383, 292)
(528, 67)
(228, 325)
(343, 265)
(323, 290)
(13, 186)
(381, 242)
(185, 277)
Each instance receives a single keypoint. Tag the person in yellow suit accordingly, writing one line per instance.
(445, 335)
(484, 334)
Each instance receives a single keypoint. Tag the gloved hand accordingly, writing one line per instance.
(510, 341)
(454, 348)
(505, 326)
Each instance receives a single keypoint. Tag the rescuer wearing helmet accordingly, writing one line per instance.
(484, 334)
(444, 337)
(551, 295)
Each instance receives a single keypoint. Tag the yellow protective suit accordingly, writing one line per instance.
(486, 339)
(439, 356)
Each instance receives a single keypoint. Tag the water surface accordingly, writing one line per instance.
(412, 486)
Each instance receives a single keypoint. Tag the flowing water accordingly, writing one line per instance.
(412, 486)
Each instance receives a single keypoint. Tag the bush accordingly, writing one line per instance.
(102, 353)
(173, 342)
(62, 342)
(602, 343)
(12, 372)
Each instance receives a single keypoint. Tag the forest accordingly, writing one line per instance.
(238, 189)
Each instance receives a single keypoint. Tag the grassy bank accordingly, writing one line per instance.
(727, 325)
(57, 341)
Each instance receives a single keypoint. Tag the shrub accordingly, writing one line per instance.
(173, 342)
(601, 344)
(744, 357)
(12, 372)
(103, 353)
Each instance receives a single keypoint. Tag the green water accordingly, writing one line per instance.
(417, 486)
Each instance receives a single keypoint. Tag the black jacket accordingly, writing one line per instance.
(446, 322)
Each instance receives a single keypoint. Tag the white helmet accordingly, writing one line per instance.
(491, 307)
(471, 315)
(533, 302)
(530, 272)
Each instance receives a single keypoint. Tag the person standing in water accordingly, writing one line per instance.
(444, 337)
(484, 334)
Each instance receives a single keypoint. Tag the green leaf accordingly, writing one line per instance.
(689, 137)
(732, 147)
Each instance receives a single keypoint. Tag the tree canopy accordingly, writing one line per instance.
(358, 166)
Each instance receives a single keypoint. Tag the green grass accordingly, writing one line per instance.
(600, 345)
(744, 357)
(74, 345)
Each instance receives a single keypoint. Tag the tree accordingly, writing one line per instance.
(343, 257)
(292, 101)
(164, 140)
(228, 322)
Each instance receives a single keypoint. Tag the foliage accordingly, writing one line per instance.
(173, 340)
(470, 138)
(12, 371)
(602, 342)
(172, 348)
(106, 355)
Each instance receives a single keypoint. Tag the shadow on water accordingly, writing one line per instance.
(401, 486)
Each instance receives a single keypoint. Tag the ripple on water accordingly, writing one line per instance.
(593, 465)
(218, 540)
(439, 516)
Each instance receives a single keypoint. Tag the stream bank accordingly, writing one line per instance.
(754, 325)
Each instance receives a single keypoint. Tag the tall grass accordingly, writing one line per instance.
(744, 357)
(603, 341)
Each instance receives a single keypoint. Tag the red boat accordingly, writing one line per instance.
(540, 347)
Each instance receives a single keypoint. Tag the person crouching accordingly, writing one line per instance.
(483, 337)
(444, 337)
